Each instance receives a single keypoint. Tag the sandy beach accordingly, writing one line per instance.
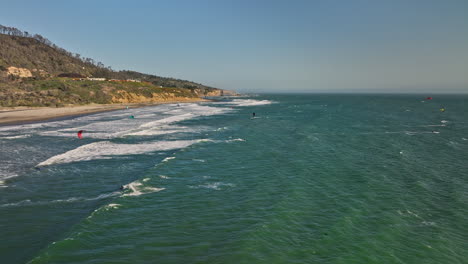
(18, 115)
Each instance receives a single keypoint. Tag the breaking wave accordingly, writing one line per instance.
(28, 202)
(247, 102)
(107, 149)
(137, 188)
(16, 137)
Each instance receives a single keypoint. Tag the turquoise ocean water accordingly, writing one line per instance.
(310, 179)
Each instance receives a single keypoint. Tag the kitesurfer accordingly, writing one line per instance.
(253, 114)
(80, 134)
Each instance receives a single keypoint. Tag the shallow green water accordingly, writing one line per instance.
(311, 179)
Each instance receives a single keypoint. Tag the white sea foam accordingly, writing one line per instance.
(235, 139)
(444, 121)
(4, 176)
(2, 183)
(117, 124)
(28, 202)
(247, 102)
(16, 137)
(148, 121)
(215, 185)
(162, 126)
(145, 115)
(454, 144)
(167, 159)
(137, 189)
(205, 110)
(107, 149)
(163, 130)
(86, 134)
(21, 127)
(98, 129)
(189, 111)
(168, 120)
(164, 177)
(112, 206)
(20, 203)
(155, 132)
(412, 133)
(435, 125)
(413, 214)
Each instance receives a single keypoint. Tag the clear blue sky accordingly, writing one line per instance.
(266, 46)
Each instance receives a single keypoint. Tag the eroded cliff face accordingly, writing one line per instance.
(122, 96)
(19, 72)
(214, 93)
(129, 97)
(217, 92)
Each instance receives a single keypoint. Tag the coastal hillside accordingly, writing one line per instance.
(36, 72)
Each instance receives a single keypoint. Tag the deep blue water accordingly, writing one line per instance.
(310, 179)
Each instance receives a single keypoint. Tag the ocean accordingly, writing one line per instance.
(312, 178)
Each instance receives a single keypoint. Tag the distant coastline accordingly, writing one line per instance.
(40, 81)
(34, 72)
(22, 115)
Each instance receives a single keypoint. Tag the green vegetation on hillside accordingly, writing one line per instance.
(41, 62)
(57, 92)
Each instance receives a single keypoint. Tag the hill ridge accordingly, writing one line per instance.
(36, 72)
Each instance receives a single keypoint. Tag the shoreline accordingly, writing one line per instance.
(25, 115)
